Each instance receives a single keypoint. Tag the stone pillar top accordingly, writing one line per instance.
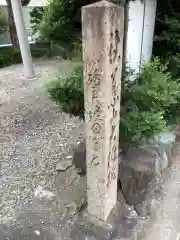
(102, 3)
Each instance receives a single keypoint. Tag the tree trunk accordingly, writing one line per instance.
(12, 26)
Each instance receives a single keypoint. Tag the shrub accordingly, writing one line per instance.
(68, 92)
(58, 24)
(145, 102)
(167, 36)
(36, 16)
(9, 55)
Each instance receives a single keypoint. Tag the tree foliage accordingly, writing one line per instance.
(36, 17)
(167, 34)
(59, 23)
(11, 23)
(3, 20)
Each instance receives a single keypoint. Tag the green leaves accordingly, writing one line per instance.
(146, 101)
(68, 92)
(167, 39)
(3, 20)
(57, 23)
(36, 17)
(148, 105)
(137, 126)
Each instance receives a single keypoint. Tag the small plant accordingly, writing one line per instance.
(68, 92)
(145, 103)
(10, 56)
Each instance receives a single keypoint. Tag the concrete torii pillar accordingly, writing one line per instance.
(23, 39)
(140, 23)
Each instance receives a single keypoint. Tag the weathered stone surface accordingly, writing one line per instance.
(71, 191)
(143, 209)
(119, 225)
(141, 169)
(79, 158)
(63, 165)
(102, 30)
(164, 143)
(135, 184)
(150, 205)
(142, 158)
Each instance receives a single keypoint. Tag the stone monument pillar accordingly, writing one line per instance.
(102, 30)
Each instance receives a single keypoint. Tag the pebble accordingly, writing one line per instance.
(37, 232)
(40, 192)
(69, 157)
(63, 165)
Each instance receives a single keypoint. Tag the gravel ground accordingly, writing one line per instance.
(34, 137)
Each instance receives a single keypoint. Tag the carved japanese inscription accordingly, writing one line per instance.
(95, 113)
(102, 30)
(114, 52)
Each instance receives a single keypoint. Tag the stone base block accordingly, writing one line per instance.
(119, 225)
(144, 168)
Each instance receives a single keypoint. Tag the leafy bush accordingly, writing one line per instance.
(36, 16)
(58, 24)
(68, 92)
(145, 103)
(9, 56)
(167, 34)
